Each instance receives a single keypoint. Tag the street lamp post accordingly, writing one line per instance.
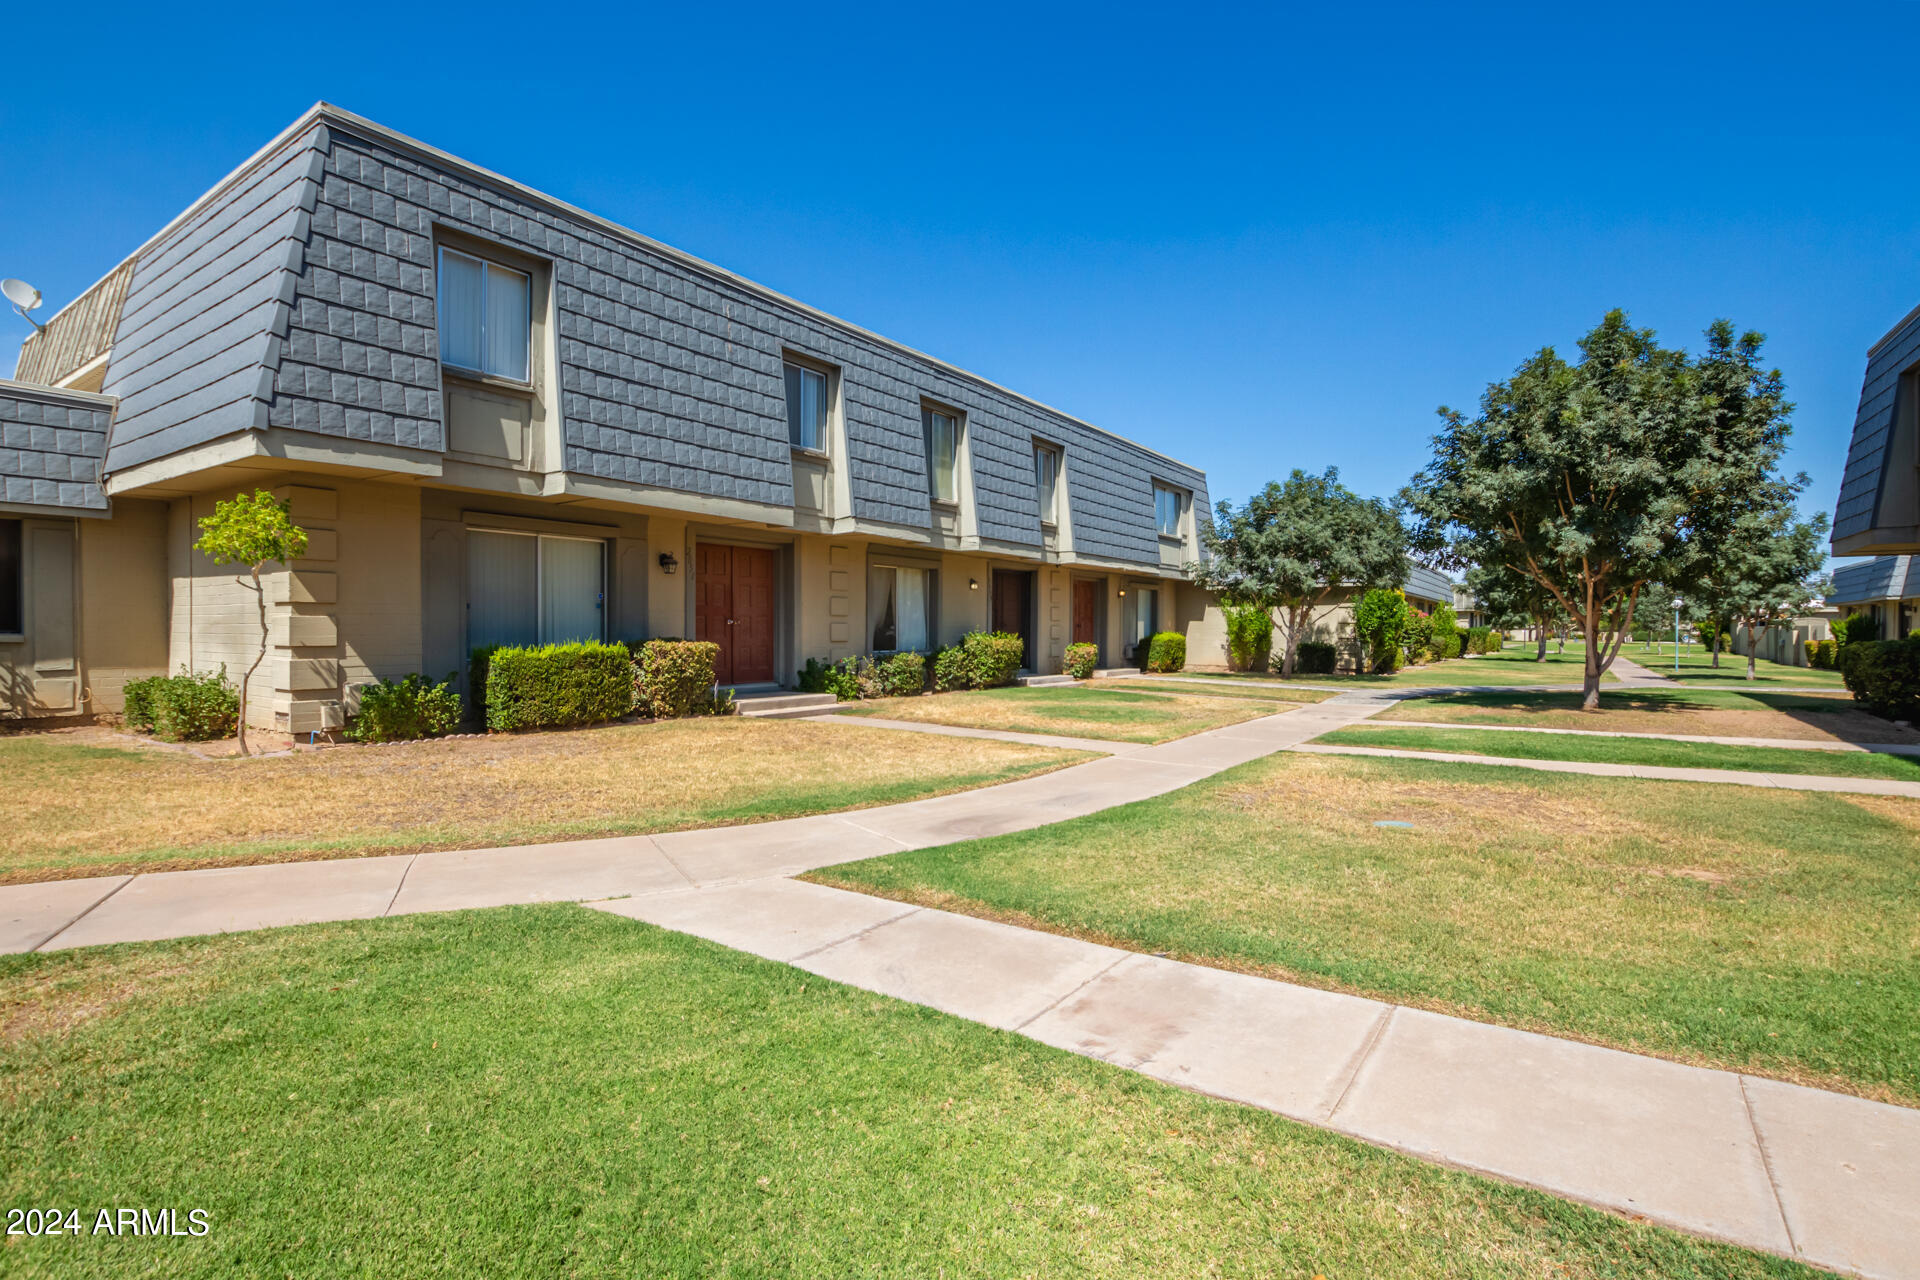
(1677, 602)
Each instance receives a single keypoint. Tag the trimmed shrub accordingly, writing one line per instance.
(183, 707)
(477, 660)
(1416, 636)
(1479, 639)
(1380, 619)
(401, 710)
(1829, 655)
(993, 657)
(1856, 628)
(673, 678)
(813, 677)
(1249, 636)
(1447, 643)
(1081, 659)
(1813, 652)
(1315, 658)
(555, 685)
(904, 675)
(1883, 676)
(951, 670)
(1167, 651)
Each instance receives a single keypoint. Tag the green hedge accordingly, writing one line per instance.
(557, 685)
(1315, 658)
(1480, 640)
(1884, 676)
(183, 707)
(982, 660)
(1814, 657)
(1081, 660)
(404, 709)
(1167, 651)
(1249, 636)
(673, 678)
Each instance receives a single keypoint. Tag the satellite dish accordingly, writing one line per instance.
(20, 294)
(24, 298)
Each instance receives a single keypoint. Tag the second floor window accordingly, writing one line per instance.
(806, 408)
(943, 456)
(1046, 479)
(486, 317)
(1166, 510)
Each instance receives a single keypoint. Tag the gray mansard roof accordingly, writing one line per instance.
(51, 445)
(300, 294)
(1879, 508)
(1429, 584)
(1881, 578)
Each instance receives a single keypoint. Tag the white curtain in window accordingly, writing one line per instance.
(570, 587)
(910, 628)
(502, 571)
(461, 289)
(883, 582)
(507, 325)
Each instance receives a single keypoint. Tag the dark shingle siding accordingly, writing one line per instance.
(1881, 578)
(51, 447)
(1873, 431)
(1429, 584)
(202, 311)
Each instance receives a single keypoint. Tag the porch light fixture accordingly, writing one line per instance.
(1123, 593)
(667, 563)
(973, 584)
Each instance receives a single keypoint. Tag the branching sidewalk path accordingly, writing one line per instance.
(1825, 1178)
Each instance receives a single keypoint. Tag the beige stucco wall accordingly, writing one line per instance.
(123, 599)
(1206, 628)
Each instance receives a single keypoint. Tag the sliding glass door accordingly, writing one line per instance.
(525, 588)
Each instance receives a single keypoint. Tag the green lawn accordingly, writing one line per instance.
(1684, 755)
(1207, 689)
(1102, 710)
(1769, 931)
(1756, 713)
(1510, 666)
(553, 1091)
(1696, 666)
(94, 804)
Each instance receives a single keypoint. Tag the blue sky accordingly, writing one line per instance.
(1255, 240)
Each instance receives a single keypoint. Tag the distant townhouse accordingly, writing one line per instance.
(504, 420)
(1886, 589)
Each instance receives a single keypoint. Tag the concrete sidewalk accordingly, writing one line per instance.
(173, 904)
(1668, 773)
(1709, 739)
(1825, 1178)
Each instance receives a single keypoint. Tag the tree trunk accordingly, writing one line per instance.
(246, 677)
(1750, 652)
(1541, 656)
(1590, 678)
(1716, 645)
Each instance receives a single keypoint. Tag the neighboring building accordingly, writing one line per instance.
(1887, 588)
(1879, 508)
(503, 419)
(1330, 623)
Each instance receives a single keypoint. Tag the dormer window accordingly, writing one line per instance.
(1167, 504)
(943, 455)
(806, 408)
(1046, 482)
(486, 317)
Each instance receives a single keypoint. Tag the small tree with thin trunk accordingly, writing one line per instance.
(1510, 600)
(1597, 477)
(1294, 545)
(1763, 570)
(252, 530)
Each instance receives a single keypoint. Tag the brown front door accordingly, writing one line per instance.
(1086, 609)
(1012, 605)
(733, 607)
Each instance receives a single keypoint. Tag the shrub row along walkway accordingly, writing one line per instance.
(1794, 1171)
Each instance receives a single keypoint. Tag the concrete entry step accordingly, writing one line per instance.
(1043, 682)
(782, 705)
(1116, 673)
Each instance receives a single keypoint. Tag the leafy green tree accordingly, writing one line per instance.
(252, 530)
(1295, 544)
(1765, 568)
(1380, 619)
(1512, 601)
(1597, 477)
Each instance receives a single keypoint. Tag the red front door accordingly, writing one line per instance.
(1086, 602)
(733, 607)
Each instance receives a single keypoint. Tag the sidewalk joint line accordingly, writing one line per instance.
(84, 914)
(1372, 1042)
(1766, 1163)
(857, 934)
(404, 873)
(870, 831)
(678, 869)
(1026, 1022)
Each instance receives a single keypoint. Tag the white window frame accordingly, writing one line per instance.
(929, 413)
(1180, 500)
(487, 266)
(540, 576)
(1048, 493)
(793, 409)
